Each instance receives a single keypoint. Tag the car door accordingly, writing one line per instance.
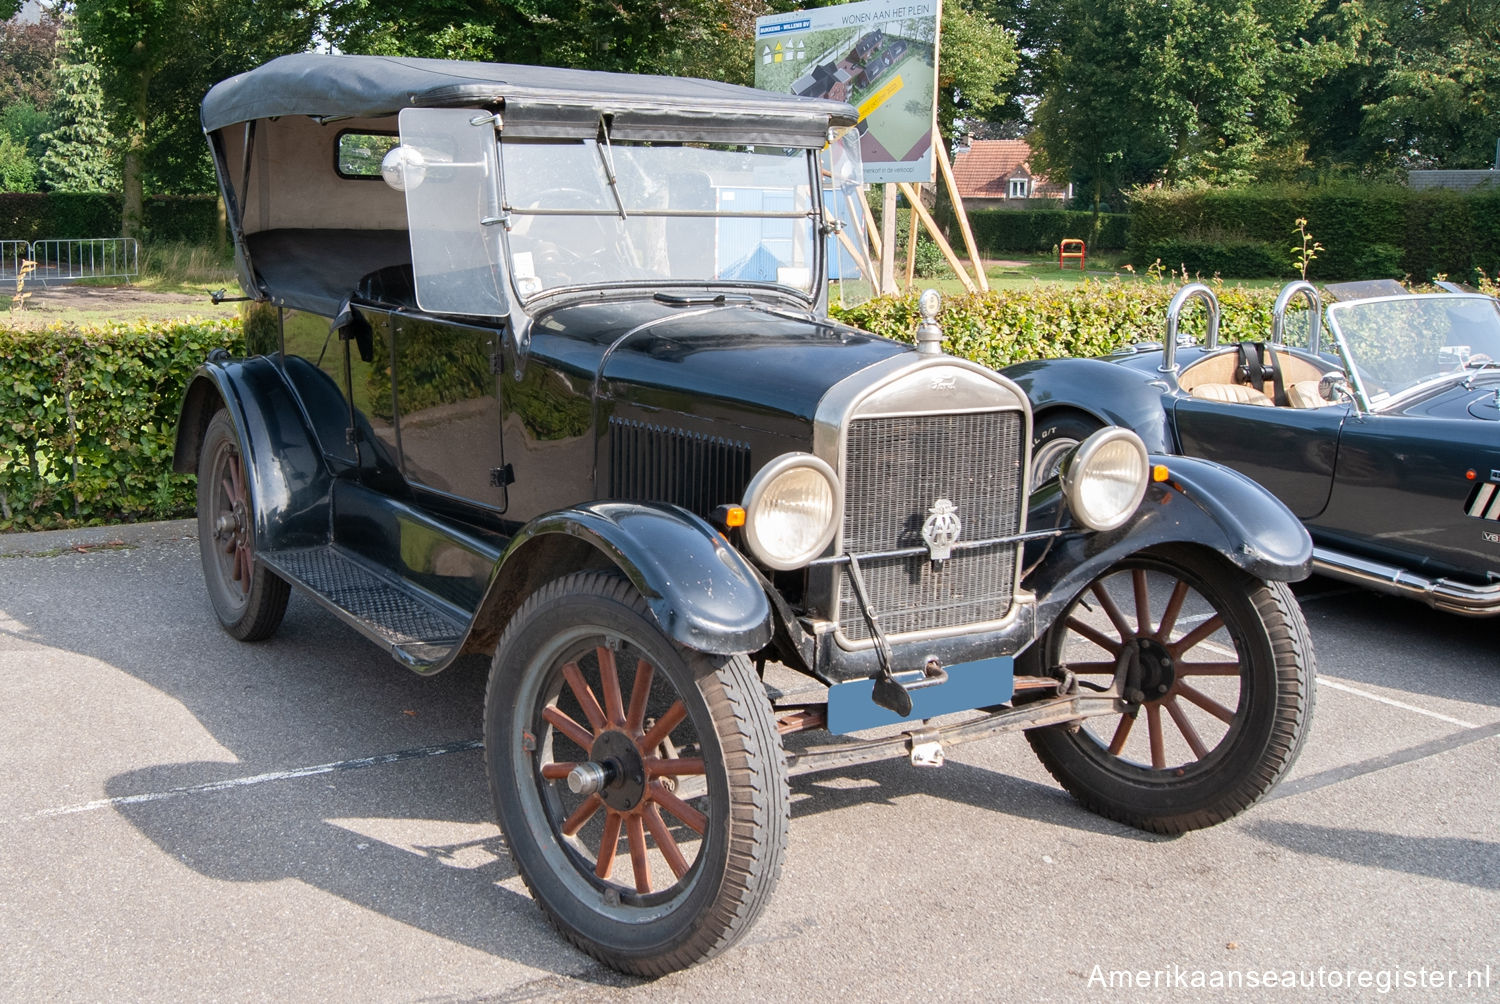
(1292, 452)
(1405, 490)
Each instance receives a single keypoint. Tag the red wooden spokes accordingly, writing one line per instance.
(236, 506)
(598, 697)
(1165, 634)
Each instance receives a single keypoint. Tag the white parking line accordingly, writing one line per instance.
(1332, 684)
(279, 775)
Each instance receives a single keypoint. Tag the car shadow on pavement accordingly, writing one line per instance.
(1464, 860)
(961, 783)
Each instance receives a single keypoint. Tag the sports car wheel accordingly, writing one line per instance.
(600, 731)
(1053, 437)
(248, 598)
(1218, 669)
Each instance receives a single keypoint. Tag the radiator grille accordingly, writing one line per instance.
(895, 468)
(652, 463)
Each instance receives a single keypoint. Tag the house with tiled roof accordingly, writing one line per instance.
(996, 174)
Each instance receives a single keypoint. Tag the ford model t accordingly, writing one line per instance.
(580, 410)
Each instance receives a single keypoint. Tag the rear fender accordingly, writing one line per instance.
(287, 477)
(702, 592)
(1109, 393)
(1200, 503)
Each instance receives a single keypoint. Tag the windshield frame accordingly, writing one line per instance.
(1342, 312)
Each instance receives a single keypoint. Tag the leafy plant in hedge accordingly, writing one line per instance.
(88, 419)
(1306, 249)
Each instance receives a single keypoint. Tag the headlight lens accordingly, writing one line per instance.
(1105, 479)
(791, 509)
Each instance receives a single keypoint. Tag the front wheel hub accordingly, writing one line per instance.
(1154, 673)
(619, 769)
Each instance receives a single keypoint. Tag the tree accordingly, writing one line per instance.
(26, 57)
(156, 58)
(78, 154)
(1140, 91)
(1437, 100)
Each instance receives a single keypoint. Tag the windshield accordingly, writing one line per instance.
(584, 212)
(1395, 344)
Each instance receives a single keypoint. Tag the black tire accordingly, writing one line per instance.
(1053, 436)
(1222, 670)
(248, 598)
(555, 699)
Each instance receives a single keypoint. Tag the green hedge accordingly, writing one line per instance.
(1231, 258)
(1033, 231)
(31, 216)
(1367, 231)
(1055, 320)
(88, 419)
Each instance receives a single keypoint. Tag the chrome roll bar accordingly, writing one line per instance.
(1315, 317)
(1191, 291)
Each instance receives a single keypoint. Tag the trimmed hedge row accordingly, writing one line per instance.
(88, 419)
(1367, 231)
(1034, 231)
(31, 216)
(1051, 321)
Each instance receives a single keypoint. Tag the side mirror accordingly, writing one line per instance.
(1334, 387)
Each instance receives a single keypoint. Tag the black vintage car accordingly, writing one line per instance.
(580, 410)
(1380, 435)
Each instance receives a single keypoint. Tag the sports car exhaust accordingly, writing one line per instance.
(1440, 594)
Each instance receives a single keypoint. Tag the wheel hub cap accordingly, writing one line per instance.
(1152, 672)
(625, 788)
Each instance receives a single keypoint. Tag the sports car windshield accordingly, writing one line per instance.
(1397, 344)
(583, 212)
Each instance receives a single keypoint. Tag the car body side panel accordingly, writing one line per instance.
(1290, 451)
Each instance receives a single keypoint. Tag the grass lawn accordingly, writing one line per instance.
(1029, 270)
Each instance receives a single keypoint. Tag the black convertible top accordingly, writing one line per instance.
(535, 100)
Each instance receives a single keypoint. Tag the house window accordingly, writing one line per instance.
(1020, 188)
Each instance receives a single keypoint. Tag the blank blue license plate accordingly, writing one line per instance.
(969, 685)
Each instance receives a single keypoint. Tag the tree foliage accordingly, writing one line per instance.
(26, 61)
(1136, 91)
(79, 151)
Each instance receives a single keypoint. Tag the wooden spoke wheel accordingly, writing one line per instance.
(1217, 668)
(614, 758)
(248, 598)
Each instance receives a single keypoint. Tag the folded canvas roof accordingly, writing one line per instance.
(534, 100)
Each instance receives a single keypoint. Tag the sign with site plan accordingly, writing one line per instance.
(881, 57)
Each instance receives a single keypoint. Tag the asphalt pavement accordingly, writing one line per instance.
(188, 818)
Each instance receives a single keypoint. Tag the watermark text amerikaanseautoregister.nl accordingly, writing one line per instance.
(1382, 980)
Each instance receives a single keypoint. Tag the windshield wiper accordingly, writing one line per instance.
(607, 158)
(692, 299)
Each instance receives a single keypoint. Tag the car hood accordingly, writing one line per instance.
(746, 363)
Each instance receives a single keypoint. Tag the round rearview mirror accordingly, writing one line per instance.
(1333, 387)
(403, 167)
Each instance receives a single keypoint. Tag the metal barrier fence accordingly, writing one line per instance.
(67, 260)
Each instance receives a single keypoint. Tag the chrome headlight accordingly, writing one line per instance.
(1105, 478)
(791, 510)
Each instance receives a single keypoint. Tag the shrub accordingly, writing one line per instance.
(88, 419)
(1361, 226)
(1032, 231)
(36, 216)
(1233, 258)
(1093, 318)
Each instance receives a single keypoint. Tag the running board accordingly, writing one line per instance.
(1447, 595)
(418, 629)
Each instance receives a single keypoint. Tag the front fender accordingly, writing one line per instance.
(287, 477)
(702, 592)
(1200, 503)
(1110, 393)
